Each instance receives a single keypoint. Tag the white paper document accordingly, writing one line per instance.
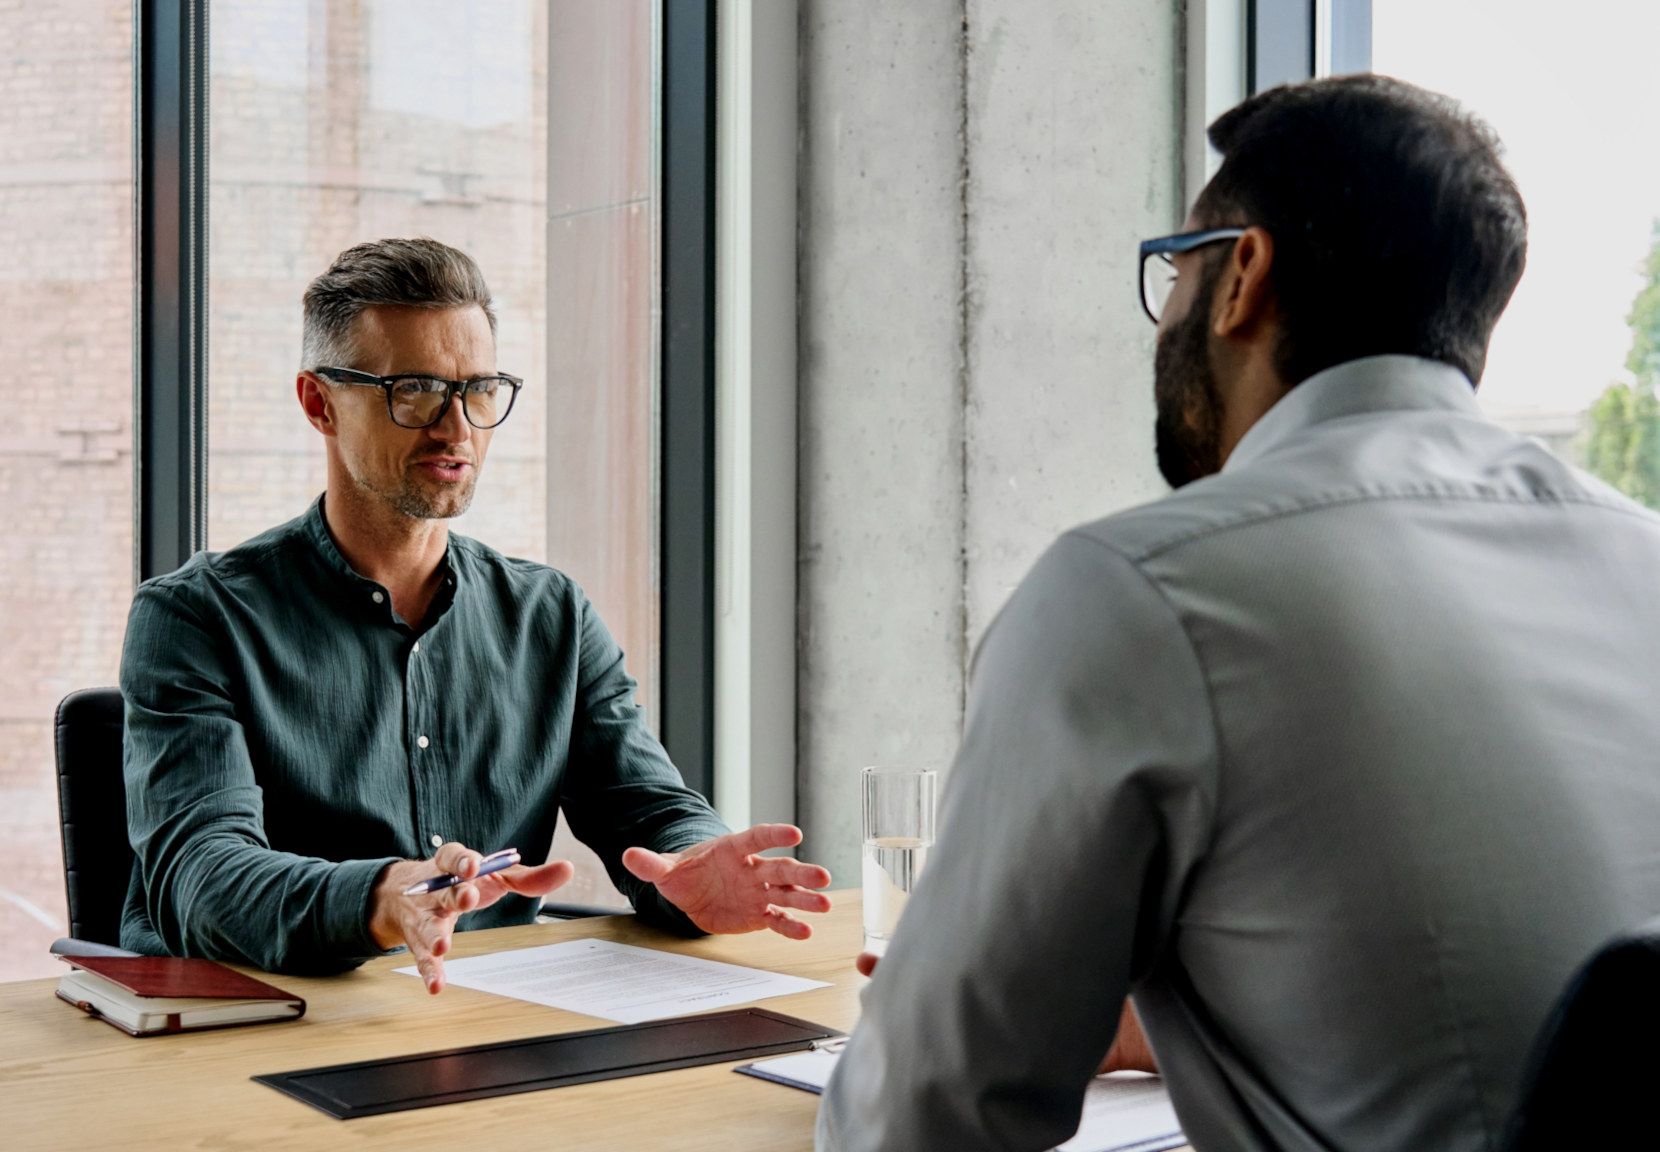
(1123, 1112)
(1126, 1112)
(617, 981)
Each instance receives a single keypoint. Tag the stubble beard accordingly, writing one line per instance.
(410, 499)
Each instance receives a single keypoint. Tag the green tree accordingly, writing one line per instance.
(1624, 437)
(1610, 433)
(1644, 359)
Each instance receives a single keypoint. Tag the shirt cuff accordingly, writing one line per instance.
(347, 903)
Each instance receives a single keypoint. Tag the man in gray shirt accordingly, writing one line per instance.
(1342, 757)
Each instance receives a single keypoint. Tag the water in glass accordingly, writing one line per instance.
(891, 866)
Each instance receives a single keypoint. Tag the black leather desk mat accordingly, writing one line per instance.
(371, 1087)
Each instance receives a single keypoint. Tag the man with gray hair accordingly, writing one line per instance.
(357, 701)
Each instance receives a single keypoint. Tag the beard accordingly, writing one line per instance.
(447, 505)
(1187, 432)
(419, 503)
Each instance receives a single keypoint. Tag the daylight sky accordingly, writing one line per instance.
(1574, 92)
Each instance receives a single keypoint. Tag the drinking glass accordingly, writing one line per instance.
(898, 831)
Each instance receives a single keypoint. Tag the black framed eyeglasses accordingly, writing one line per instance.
(1158, 270)
(415, 401)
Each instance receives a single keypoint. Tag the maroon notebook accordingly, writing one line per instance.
(142, 995)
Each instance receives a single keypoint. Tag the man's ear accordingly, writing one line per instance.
(316, 403)
(1249, 297)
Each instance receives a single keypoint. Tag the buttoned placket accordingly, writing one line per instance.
(421, 701)
(417, 721)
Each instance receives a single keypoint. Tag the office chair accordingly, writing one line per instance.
(92, 813)
(1590, 1082)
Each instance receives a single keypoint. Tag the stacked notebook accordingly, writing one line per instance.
(146, 995)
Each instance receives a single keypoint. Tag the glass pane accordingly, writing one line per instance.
(340, 121)
(1569, 360)
(66, 289)
(602, 333)
(65, 172)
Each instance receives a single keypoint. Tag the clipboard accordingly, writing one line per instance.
(427, 1079)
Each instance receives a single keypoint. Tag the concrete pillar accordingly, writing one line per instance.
(1073, 132)
(975, 370)
(880, 347)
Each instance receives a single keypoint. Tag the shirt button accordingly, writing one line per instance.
(415, 649)
(437, 841)
(422, 741)
(378, 597)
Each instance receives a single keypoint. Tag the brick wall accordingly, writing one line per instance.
(66, 439)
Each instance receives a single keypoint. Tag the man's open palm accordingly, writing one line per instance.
(724, 885)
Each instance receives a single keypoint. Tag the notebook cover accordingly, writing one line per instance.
(373, 1087)
(174, 976)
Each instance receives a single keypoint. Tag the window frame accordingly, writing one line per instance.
(169, 283)
(1291, 40)
(686, 467)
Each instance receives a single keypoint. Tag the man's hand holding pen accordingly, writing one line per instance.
(723, 885)
(425, 921)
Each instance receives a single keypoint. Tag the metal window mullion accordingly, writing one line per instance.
(1351, 36)
(1281, 42)
(687, 472)
(170, 283)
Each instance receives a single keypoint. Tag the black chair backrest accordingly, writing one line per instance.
(92, 812)
(1592, 1078)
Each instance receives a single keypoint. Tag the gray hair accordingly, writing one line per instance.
(418, 273)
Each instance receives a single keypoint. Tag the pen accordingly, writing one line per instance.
(494, 862)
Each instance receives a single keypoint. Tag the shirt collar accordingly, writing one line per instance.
(316, 529)
(1357, 388)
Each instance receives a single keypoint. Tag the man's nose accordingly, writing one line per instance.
(453, 427)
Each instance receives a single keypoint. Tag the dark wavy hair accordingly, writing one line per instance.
(1396, 227)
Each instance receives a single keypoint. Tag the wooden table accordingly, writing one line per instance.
(68, 1081)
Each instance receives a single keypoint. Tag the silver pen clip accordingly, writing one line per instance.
(834, 1044)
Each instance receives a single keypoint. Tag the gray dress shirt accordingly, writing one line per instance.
(289, 735)
(1341, 760)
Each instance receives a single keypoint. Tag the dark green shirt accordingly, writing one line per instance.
(288, 736)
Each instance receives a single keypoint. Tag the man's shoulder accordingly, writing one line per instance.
(1397, 464)
(260, 558)
(1206, 506)
(513, 575)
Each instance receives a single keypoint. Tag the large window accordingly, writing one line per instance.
(66, 466)
(1576, 358)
